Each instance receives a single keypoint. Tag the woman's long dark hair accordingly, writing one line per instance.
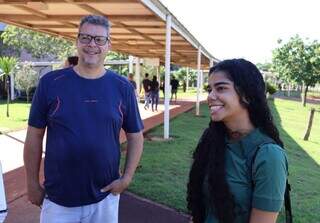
(209, 155)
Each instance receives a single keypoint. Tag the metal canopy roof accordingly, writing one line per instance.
(138, 27)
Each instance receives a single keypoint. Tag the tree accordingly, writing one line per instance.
(25, 78)
(6, 65)
(264, 66)
(38, 44)
(298, 61)
(122, 70)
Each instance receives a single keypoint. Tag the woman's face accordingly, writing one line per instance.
(223, 100)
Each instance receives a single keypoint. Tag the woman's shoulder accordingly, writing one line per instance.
(271, 150)
(271, 157)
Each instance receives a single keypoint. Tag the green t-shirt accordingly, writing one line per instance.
(269, 174)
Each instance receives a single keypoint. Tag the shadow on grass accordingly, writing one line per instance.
(304, 176)
(4, 102)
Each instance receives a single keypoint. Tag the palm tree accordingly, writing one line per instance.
(6, 65)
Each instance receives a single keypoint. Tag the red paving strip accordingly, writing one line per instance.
(133, 209)
(156, 120)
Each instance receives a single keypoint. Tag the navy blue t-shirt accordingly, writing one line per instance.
(83, 119)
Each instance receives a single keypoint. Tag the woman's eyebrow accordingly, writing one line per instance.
(221, 83)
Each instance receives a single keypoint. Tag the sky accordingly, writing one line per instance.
(247, 28)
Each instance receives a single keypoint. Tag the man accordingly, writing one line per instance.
(146, 87)
(134, 85)
(83, 108)
(132, 81)
(174, 87)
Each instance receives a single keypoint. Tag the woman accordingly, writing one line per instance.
(154, 88)
(221, 187)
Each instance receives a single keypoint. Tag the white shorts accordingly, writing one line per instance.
(3, 216)
(105, 211)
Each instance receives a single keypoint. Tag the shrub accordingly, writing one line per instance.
(270, 88)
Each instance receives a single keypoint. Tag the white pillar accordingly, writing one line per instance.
(187, 82)
(198, 82)
(167, 78)
(131, 58)
(211, 63)
(11, 86)
(201, 82)
(158, 73)
(137, 76)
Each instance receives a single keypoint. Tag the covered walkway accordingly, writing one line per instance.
(141, 28)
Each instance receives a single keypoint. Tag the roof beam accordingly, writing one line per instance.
(76, 18)
(142, 26)
(54, 26)
(26, 26)
(149, 46)
(113, 34)
(145, 36)
(24, 2)
(32, 11)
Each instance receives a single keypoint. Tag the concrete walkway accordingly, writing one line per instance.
(133, 209)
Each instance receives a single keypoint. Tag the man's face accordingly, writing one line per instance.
(92, 54)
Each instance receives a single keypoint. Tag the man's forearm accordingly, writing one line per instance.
(134, 152)
(32, 154)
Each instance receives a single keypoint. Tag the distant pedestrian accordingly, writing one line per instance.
(133, 83)
(71, 61)
(154, 90)
(174, 87)
(146, 87)
(184, 86)
(162, 87)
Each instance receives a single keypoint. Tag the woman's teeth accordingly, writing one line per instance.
(215, 108)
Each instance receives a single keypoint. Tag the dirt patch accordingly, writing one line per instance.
(157, 138)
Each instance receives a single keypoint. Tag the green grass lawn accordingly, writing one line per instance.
(191, 93)
(164, 169)
(18, 115)
(165, 165)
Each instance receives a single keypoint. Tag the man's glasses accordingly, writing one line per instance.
(86, 39)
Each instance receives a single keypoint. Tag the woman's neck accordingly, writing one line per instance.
(239, 128)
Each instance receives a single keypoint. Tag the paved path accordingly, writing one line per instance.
(133, 209)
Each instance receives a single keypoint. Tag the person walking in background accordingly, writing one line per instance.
(83, 109)
(174, 87)
(134, 84)
(71, 61)
(240, 168)
(154, 90)
(146, 87)
(162, 87)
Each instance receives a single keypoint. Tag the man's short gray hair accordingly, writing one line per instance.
(95, 20)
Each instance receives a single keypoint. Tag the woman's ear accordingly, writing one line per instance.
(245, 100)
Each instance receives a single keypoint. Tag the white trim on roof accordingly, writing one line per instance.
(159, 9)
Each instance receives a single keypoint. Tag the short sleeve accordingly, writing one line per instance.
(270, 171)
(132, 122)
(39, 107)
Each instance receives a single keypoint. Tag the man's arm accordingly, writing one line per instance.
(259, 216)
(32, 159)
(134, 152)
